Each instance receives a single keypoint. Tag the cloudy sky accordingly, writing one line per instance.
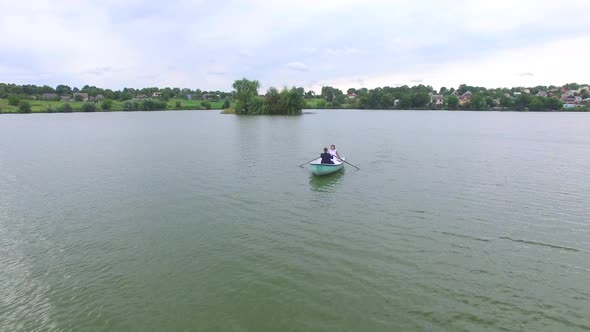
(309, 43)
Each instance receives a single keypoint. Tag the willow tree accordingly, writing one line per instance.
(246, 92)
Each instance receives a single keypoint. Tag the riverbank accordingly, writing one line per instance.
(48, 106)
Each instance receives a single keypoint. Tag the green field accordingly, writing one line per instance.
(42, 106)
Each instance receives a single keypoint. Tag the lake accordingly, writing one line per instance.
(197, 221)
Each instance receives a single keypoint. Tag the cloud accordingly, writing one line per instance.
(137, 43)
(297, 66)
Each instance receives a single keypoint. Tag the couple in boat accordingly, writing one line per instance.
(329, 156)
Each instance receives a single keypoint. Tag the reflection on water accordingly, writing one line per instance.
(326, 183)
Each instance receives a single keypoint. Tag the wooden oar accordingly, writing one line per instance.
(307, 162)
(351, 164)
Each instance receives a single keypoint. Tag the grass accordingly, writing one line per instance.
(41, 106)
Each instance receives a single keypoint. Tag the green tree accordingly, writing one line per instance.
(452, 102)
(13, 100)
(24, 106)
(78, 98)
(66, 108)
(405, 102)
(537, 104)
(226, 104)
(505, 101)
(273, 101)
(106, 104)
(206, 104)
(245, 92)
(292, 101)
(177, 104)
(420, 99)
(477, 102)
(89, 107)
(63, 90)
(585, 93)
(553, 104)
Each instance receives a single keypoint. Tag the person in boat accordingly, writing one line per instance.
(334, 153)
(326, 157)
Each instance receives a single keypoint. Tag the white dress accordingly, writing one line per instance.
(334, 154)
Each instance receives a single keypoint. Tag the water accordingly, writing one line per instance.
(198, 221)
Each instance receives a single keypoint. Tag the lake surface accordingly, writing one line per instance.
(197, 221)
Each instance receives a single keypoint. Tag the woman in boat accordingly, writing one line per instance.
(326, 157)
(334, 152)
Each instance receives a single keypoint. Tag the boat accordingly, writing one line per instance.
(317, 168)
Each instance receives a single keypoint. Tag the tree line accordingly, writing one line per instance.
(420, 97)
(27, 90)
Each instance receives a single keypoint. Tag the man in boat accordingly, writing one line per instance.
(326, 157)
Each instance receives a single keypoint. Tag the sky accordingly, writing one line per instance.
(341, 43)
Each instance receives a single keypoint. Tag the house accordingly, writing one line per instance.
(352, 95)
(465, 98)
(527, 91)
(541, 94)
(516, 94)
(99, 97)
(141, 96)
(156, 94)
(65, 98)
(189, 96)
(49, 96)
(81, 95)
(210, 96)
(396, 103)
(437, 100)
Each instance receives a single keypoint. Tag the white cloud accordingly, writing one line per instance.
(350, 43)
(298, 66)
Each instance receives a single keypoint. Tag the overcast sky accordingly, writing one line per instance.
(309, 43)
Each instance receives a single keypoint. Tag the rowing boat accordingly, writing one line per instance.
(317, 168)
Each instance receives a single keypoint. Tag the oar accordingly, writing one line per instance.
(307, 162)
(351, 164)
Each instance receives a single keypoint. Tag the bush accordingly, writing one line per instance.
(206, 104)
(89, 107)
(24, 106)
(51, 109)
(129, 106)
(66, 108)
(13, 100)
(106, 104)
(177, 105)
(226, 104)
(78, 98)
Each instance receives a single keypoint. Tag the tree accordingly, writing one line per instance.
(273, 101)
(405, 102)
(66, 108)
(452, 102)
(246, 91)
(505, 101)
(13, 100)
(177, 104)
(553, 104)
(106, 104)
(226, 104)
(206, 104)
(89, 107)
(24, 106)
(420, 99)
(585, 93)
(537, 104)
(477, 102)
(78, 98)
(63, 90)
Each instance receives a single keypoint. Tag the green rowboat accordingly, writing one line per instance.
(317, 168)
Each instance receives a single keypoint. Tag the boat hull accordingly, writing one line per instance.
(317, 168)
